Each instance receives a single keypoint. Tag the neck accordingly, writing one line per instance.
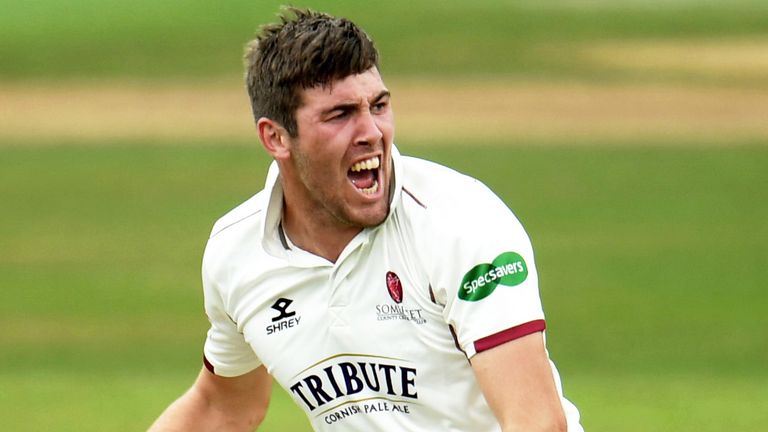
(322, 238)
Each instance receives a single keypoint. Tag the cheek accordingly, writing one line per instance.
(386, 124)
(324, 164)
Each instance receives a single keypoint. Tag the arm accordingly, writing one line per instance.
(216, 403)
(516, 380)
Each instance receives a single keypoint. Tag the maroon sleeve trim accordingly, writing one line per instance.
(208, 365)
(509, 334)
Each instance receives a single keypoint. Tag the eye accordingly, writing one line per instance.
(338, 115)
(379, 107)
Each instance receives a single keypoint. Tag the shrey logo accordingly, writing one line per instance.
(508, 269)
(284, 319)
(395, 287)
(281, 305)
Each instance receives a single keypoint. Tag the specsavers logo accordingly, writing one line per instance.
(507, 269)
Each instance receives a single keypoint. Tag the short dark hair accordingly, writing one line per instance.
(305, 49)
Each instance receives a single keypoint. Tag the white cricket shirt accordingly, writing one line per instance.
(380, 339)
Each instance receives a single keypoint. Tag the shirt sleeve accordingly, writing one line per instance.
(484, 272)
(226, 352)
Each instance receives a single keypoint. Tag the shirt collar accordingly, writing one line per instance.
(273, 240)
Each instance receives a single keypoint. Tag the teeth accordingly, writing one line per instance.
(368, 164)
(371, 190)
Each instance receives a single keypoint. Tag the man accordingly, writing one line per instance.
(382, 292)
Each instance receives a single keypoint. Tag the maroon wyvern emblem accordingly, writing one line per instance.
(394, 287)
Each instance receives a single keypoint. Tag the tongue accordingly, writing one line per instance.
(362, 179)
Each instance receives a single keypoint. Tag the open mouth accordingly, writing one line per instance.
(364, 175)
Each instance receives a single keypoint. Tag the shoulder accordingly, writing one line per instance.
(460, 223)
(450, 210)
(456, 212)
(244, 215)
(446, 193)
(236, 235)
(431, 174)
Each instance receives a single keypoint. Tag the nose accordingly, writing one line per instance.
(369, 132)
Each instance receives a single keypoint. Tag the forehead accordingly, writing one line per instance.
(351, 89)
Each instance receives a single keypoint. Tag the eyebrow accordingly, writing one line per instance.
(353, 105)
(382, 95)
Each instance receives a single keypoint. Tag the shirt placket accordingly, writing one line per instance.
(339, 281)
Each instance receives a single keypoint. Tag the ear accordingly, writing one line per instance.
(274, 138)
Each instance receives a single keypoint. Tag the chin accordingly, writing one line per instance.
(370, 220)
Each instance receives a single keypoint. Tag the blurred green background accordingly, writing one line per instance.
(652, 244)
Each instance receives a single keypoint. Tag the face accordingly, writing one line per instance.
(340, 170)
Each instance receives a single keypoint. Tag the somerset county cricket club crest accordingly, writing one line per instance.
(394, 287)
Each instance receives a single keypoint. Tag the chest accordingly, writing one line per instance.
(365, 328)
(376, 301)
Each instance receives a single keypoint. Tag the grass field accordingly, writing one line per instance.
(627, 137)
(49, 39)
(654, 296)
